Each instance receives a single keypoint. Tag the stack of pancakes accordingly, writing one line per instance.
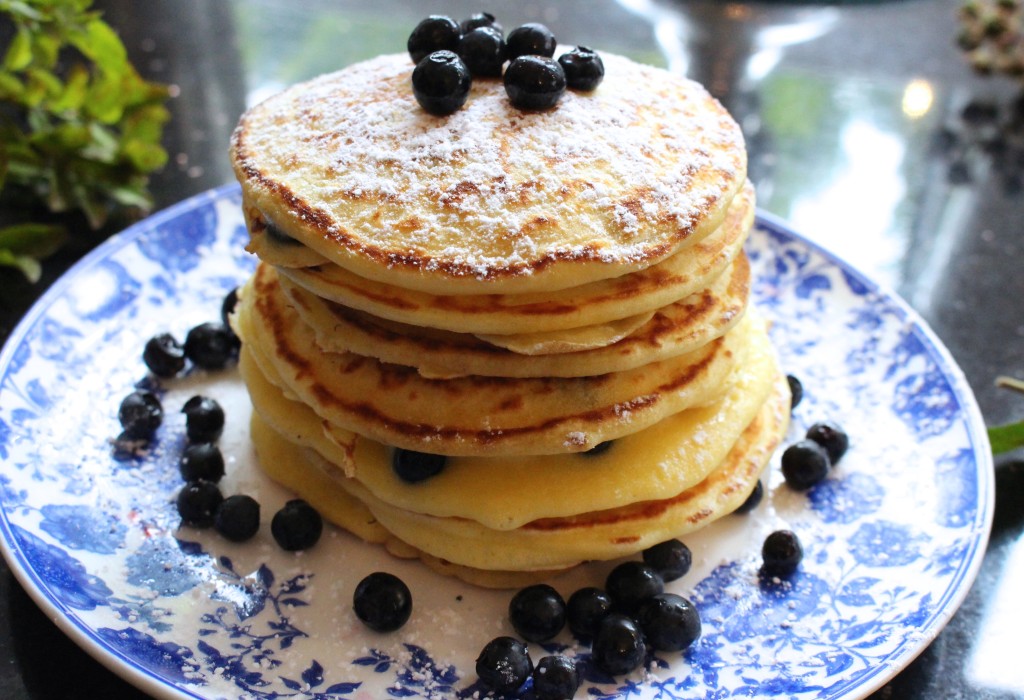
(554, 301)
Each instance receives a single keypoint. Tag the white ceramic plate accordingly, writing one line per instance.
(893, 538)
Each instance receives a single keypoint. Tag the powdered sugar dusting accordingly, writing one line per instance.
(619, 175)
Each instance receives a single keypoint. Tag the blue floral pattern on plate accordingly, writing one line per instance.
(893, 537)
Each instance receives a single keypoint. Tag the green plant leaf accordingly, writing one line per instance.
(1005, 438)
(19, 53)
(36, 240)
(29, 266)
(80, 129)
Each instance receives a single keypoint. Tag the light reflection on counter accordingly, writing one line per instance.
(995, 659)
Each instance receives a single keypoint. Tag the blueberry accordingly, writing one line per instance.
(441, 83)
(382, 601)
(804, 464)
(296, 526)
(204, 419)
(164, 355)
(585, 610)
(531, 39)
(435, 33)
(504, 664)
(618, 645)
(198, 502)
(781, 553)
(537, 612)
(632, 581)
(830, 436)
(671, 559)
(238, 518)
(669, 622)
(412, 466)
(534, 82)
(599, 448)
(753, 500)
(210, 345)
(556, 677)
(201, 461)
(227, 306)
(479, 19)
(483, 51)
(584, 69)
(140, 414)
(796, 390)
(278, 236)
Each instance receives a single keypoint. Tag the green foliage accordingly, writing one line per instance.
(1006, 438)
(80, 130)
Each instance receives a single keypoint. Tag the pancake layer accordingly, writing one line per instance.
(501, 558)
(475, 414)
(490, 199)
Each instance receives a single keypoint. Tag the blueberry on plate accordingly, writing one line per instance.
(201, 461)
(412, 467)
(441, 82)
(483, 52)
(204, 419)
(296, 526)
(504, 664)
(480, 19)
(382, 601)
(584, 69)
(434, 33)
(669, 622)
(537, 612)
(556, 677)
(198, 502)
(585, 609)
(531, 39)
(140, 414)
(618, 646)
(211, 345)
(534, 82)
(237, 518)
(796, 391)
(227, 306)
(164, 355)
(832, 437)
(804, 464)
(671, 559)
(781, 553)
(632, 581)
(753, 500)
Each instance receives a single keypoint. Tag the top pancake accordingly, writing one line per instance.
(490, 199)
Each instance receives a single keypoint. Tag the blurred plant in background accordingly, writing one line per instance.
(1009, 437)
(992, 36)
(80, 130)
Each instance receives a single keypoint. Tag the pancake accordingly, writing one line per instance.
(318, 482)
(653, 464)
(478, 415)
(269, 244)
(673, 330)
(490, 199)
(548, 544)
(687, 272)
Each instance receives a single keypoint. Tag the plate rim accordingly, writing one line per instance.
(141, 678)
